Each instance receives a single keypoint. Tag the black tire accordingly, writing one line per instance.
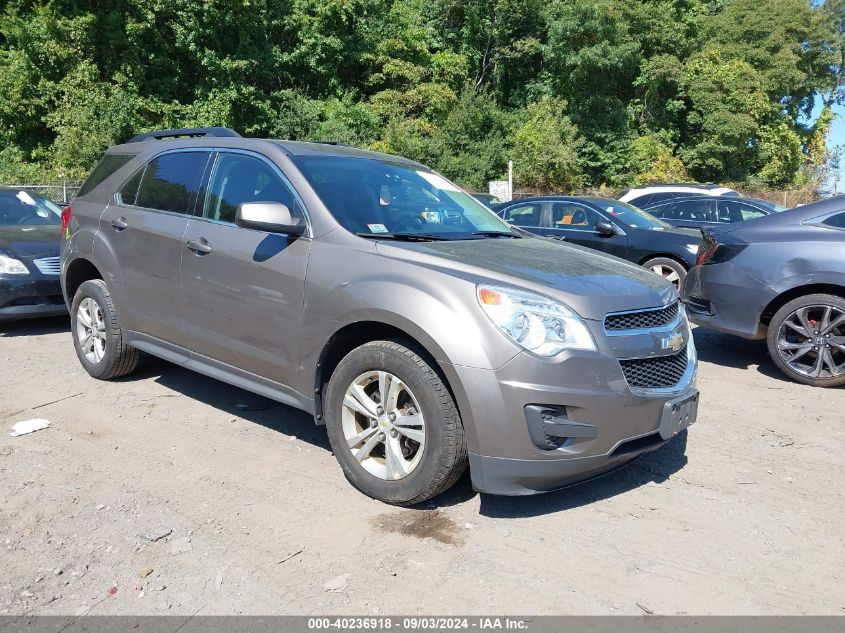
(444, 457)
(119, 359)
(667, 262)
(774, 334)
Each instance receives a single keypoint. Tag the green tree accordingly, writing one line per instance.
(546, 148)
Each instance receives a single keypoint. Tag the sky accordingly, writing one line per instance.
(836, 138)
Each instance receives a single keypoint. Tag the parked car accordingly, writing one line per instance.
(645, 196)
(487, 199)
(695, 212)
(781, 278)
(29, 256)
(422, 340)
(610, 226)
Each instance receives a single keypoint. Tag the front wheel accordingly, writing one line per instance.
(806, 340)
(393, 425)
(669, 269)
(97, 335)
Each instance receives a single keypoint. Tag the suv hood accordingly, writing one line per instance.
(591, 283)
(32, 241)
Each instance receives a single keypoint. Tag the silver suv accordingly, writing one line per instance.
(368, 290)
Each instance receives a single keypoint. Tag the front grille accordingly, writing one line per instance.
(655, 373)
(642, 319)
(48, 265)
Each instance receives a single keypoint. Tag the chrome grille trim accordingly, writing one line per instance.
(48, 265)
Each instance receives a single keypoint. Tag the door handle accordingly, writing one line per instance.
(118, 224)
(199, 246)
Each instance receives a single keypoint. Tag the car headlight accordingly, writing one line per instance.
(12, 266)
(541, 325)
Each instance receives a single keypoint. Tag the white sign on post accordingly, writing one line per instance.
(500, 189)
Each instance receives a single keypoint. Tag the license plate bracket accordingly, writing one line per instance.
(678, 415)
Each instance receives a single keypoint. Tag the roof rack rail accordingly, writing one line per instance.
(338, 143)
(190, 132)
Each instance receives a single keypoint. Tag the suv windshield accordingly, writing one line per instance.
(380, 198)
(22, 208)
(631, 216)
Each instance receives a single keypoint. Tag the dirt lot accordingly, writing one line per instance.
(745, 515)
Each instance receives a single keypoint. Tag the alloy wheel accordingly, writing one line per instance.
(667, 272)
(383, 425)
(811, 341)
(91, 330)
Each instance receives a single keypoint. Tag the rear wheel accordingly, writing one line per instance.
(97, 335)
(393, 425)
(806, 340)
(669, 269)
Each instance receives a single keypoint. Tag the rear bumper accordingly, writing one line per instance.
(29, 298)
(724, 297)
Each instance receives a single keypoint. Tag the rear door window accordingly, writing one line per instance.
(171, 182)
(836, 221)
(690, 210)
(737, 211)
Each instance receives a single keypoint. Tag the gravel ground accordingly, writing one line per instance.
(742, 515)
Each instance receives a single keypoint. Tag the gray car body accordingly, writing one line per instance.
(277, 324)
(789, 254)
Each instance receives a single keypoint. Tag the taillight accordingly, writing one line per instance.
(65, 220)
(706, 249)
(713, 251)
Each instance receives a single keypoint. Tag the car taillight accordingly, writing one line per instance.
(65, 220)
(706, 249)
(717, 251)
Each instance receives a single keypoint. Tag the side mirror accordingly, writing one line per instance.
(272, 217)
(605, 227)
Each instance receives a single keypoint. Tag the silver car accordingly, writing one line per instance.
(421, 329)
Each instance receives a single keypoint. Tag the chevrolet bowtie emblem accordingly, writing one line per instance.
(674, 342)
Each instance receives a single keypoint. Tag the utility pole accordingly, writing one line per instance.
(510, 180)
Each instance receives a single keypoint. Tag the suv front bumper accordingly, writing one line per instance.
(596, 422)
(26, 297)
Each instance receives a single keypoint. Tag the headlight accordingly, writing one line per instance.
(692, 248)
(11, 266)
(539, 324)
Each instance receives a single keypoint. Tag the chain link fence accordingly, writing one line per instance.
(60, 194)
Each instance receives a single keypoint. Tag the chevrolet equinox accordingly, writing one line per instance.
(420, 328)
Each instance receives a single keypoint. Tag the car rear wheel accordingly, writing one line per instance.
(393, 425)
(806, 340)
(97, 335)
(668, 268)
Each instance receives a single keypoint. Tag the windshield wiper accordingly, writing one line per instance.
(404, 237)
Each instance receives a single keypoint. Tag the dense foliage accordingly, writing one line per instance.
(576, 92)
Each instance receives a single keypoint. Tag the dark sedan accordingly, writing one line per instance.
(30, 228)
(781, 278)
(701, 211)
(610, 226)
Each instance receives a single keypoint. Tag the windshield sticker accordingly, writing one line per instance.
(438, 181)
(377, 228)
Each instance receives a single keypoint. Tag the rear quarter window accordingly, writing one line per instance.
(108, 165)
(836, 221)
